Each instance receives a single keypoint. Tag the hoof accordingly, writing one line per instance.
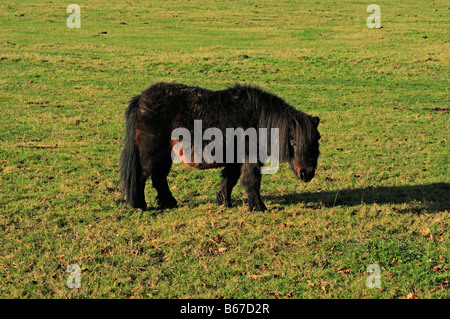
(170, 203)
(259, 207)
(221, 200)
(140, 206)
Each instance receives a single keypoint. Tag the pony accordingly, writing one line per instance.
(153, 115)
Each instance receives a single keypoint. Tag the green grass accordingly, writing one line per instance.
(380, 195)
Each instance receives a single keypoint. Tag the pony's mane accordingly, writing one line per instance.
(276, 113)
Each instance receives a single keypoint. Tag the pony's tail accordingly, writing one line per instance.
(130, 166)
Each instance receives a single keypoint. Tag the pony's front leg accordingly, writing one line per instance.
(251, 180)
(230, 176)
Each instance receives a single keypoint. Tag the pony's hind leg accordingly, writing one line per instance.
(159, 173)
(140, 192)
(230, 176)
(156, 163)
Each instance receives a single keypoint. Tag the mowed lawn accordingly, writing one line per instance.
(381, 191)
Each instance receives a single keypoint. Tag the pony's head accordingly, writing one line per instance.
(303, 146)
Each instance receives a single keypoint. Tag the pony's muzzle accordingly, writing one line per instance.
(306, 174)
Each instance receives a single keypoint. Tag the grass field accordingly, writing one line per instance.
(381, 191)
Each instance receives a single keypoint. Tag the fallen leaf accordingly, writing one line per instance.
(275, 293)
(443, 285)
(411, 296)
(255, 277)
(105, 252)
(345, 271)
(436, 268)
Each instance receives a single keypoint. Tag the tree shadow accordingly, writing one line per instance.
(430, 198)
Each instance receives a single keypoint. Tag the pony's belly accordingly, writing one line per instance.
(178, 155)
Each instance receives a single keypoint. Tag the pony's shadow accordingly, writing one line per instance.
(416, 199)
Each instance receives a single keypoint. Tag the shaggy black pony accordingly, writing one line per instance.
(153, 115)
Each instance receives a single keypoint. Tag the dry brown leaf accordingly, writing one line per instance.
(105, 252)
(344, 271)
(275, 293)
(436, 268)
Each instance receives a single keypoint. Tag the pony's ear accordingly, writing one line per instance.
(315, 120)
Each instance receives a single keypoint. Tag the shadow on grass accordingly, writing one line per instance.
(431, 198)
(416, 199)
